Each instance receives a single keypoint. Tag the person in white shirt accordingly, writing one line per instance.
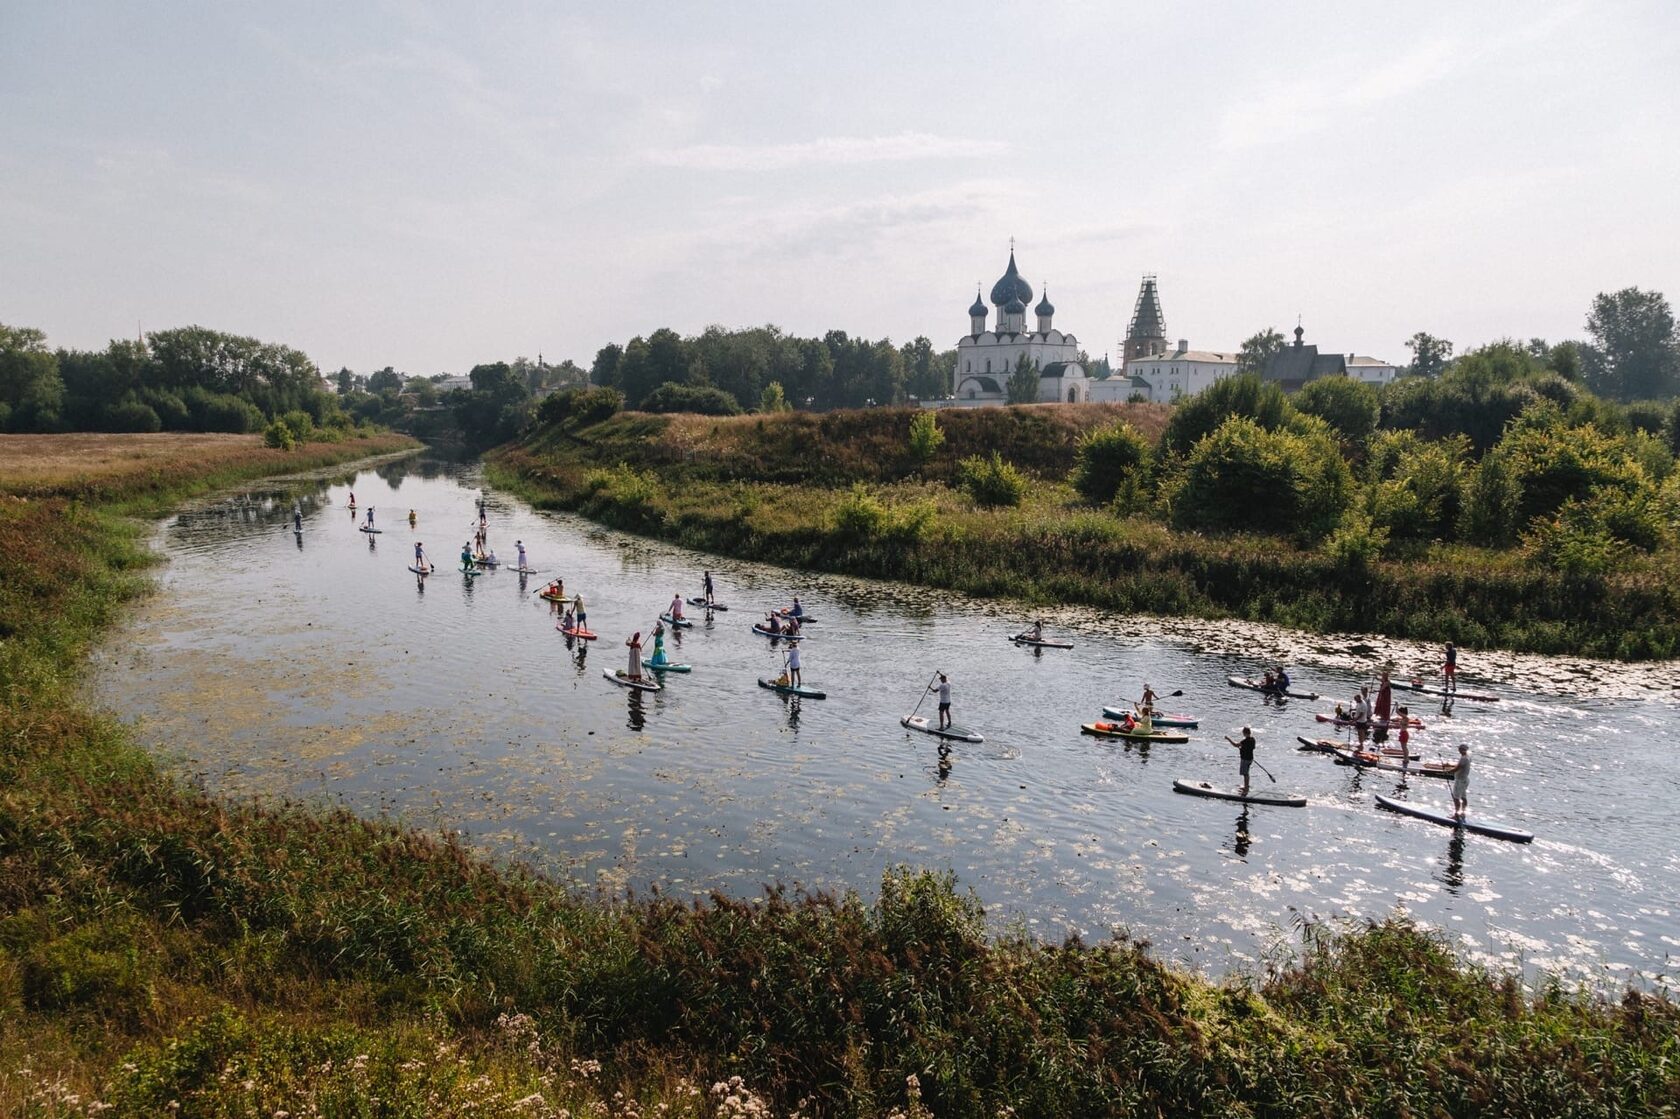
(944, 690)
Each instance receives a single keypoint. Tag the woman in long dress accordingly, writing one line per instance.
(635, 644)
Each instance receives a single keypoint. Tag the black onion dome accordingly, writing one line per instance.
(1014, 307)
(979, 308)
(1011, 286)
(1045, 307)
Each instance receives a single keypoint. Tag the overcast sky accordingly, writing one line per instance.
(432, 185)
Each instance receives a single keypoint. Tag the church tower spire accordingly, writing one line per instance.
(1147, 334)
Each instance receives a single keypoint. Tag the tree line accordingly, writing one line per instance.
(1633, 352)
(739, 367)
(187, 379)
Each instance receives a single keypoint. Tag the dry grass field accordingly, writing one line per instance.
(93, 464)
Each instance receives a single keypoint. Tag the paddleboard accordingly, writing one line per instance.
(1189, 721)
(554, 597)
(1330, 746)
(1114, 730)
(617, 676)
(1203, 789)
(1366, 760)
(580, 634)
(374, 531)
(954, 732)
(668, 666)
(784, 634)
(470, 574)
(698, 601)
(526, 570)
(1389, 724)
(1446, 819)
(420, 570)
(1256, 686)
(676, 623)
(1427, 689)
(1030, 643)
(486, 562)
(800, 690)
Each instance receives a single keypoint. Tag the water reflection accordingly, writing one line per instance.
(1240, 842)
(638, 715)
(1452, 875)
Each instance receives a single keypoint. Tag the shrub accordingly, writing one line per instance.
(925, 436)
(278, 435)
(1418, 491)
(1198, 417)
(172, 409)
(1552, 463)
(1246, 478)
(774, 399)
(131, 415)
(1575, 543)
(859, 516)
(300, 423)
(703, 399)
(220, 411)
(991, 481)
(1357, 542)
(1489, 515)
(625, 487)
(585, 406)
(1348, 406)
(1106, 459)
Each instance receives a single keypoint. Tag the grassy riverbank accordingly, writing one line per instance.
(784, 489)
(163, 952)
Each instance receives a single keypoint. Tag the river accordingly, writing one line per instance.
(314, 666)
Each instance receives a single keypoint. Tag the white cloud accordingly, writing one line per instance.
(1289, 110)
(828, 150)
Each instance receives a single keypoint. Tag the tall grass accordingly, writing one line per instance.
(163, 952)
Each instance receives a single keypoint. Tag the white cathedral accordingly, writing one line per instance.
(987, 358)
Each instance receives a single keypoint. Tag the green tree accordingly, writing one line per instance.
(1347, 405)
(1241, 395)
(30, 387)
(604, 371)
(1636, 352)
(386, 380)
(925, 436)
(1243, 477)
(1416, 487)
(1430, 355)
(1257, 350)
(1107, 459)
(1023, 383)
(1552, 462)
(773, 399)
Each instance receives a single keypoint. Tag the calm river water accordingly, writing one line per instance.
(314, 665)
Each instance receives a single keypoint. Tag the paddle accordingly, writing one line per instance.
(925, 693)
(1255, 761)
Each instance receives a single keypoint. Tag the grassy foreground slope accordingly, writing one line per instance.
(843, 492)
(163, 952)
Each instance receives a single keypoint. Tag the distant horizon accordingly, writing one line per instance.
(431, 189)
